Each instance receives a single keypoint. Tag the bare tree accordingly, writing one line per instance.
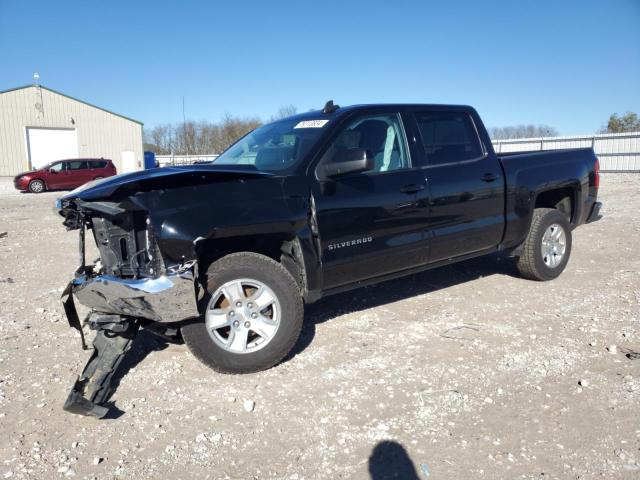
(284, 112)
(198, 138)
(231, 129)
(160, 139)
(185, 134)
(522, 131)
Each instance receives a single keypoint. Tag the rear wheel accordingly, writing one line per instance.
(547, 247)
(36, 186)
(251, 315)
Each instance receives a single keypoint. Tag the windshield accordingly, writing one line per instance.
(274, 147)
(58, 166)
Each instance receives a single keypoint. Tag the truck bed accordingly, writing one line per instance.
(542, 152)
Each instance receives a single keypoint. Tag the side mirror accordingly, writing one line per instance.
(51, 170)
(351, 160)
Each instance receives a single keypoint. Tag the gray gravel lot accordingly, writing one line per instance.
(463, 372)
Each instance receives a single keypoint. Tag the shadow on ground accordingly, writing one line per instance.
(334, 306)
(389, 460)
(144, 343)
(399, 289)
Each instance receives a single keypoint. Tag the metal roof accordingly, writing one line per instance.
(72, 98)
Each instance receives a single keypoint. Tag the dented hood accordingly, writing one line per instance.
(160, 178)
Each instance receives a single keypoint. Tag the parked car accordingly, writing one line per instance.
(311, 205)
(64, 174)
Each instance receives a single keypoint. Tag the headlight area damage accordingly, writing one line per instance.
(130, 286)
(157, 231)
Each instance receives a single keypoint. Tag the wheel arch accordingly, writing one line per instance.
(284, 249)
(560, 198)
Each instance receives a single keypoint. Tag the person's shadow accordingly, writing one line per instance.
(389, 460)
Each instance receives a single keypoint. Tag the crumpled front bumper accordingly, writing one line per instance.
(169, 298)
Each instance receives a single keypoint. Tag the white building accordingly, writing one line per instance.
(617, 152)
(39, 125)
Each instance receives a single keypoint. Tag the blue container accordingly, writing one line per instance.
(149, 160)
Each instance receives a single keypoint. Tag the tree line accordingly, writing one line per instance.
(206, 137)
(522, 131)
(629, 122)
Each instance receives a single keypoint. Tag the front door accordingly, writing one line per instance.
(466, 184)
(56, 176)
(370, 223)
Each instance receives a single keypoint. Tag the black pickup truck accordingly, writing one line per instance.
(225, 255)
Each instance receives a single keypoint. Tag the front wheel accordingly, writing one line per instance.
(36, 186)
(251, 315)
(547, 246)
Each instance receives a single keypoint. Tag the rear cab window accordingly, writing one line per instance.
(448, 137)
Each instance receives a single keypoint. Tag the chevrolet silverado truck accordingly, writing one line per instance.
(225, 255)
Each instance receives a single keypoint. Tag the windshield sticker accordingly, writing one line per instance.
(312, 124)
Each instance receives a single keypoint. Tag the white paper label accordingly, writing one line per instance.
(312, 124)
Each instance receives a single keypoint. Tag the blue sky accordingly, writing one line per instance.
(568, 64)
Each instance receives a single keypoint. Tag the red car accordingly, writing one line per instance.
(64, 174)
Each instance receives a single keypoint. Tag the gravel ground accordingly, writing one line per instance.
(463, 372)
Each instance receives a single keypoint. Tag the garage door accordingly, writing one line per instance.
(49, 144)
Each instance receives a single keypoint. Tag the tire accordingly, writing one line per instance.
(539, 261)
(242, 276)
(36, 186)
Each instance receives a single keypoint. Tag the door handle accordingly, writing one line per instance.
(412, 188)
(490, 177)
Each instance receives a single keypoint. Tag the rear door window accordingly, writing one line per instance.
(97, 164)
(77, 165)
(448, 137)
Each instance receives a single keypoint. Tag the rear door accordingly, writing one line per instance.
(78, 173)
(465, 183)
(97, 169)
(369, 222)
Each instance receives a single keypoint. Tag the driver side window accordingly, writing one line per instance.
(57, 167)
(382, 135)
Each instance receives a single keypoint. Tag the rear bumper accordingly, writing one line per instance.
(169, 298)
(594, 215)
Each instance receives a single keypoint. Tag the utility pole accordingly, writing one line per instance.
(184, 128)
(39, 105)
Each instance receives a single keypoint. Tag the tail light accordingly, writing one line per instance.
(596, 182)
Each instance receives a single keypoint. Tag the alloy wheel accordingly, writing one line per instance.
(243, 316)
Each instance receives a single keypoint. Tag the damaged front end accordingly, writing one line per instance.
(156, 232)
(130, 285)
